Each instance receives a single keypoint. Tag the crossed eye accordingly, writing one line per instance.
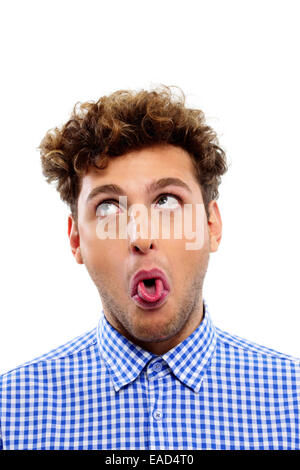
(105, 206)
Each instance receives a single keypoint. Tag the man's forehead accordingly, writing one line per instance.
(124, 174)
(158, 157)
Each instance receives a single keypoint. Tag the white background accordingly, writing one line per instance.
(239, 62)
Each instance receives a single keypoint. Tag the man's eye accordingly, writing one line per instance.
(109, 207)
(106, 208)
(168, 201)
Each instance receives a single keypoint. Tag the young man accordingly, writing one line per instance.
(140, 172)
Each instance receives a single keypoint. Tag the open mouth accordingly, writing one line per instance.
(149, 289)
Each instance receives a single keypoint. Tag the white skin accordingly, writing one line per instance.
(112, 262)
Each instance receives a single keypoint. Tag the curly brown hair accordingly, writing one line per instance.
(124, 121)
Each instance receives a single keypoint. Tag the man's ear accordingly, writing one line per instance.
(214, 226)
(73, 235)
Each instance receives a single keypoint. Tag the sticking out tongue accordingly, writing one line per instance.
(150, 290)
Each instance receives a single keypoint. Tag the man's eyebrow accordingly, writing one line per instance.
(150, 187)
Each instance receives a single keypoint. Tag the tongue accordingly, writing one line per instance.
(150, 294)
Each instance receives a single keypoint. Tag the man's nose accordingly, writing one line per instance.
(140, 241)
(142, 246)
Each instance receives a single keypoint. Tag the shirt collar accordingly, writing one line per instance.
(188, 360)
(124, 359)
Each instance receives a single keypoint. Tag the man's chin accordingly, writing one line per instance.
(153, 338)
(153, 335)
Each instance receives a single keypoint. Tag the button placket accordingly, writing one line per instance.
(157, 415)
(156, 370)
(157, 367)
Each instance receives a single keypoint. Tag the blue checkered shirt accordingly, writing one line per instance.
(100, 391)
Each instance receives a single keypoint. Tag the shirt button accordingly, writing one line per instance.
(157, 367)
(157, 415)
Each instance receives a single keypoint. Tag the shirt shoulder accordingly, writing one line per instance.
(250, 348)
(73, 347)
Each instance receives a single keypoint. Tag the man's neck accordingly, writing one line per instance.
(161, 347)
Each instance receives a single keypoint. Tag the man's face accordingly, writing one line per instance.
(112, 262)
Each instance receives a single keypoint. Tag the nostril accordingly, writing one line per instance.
(137, 249)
